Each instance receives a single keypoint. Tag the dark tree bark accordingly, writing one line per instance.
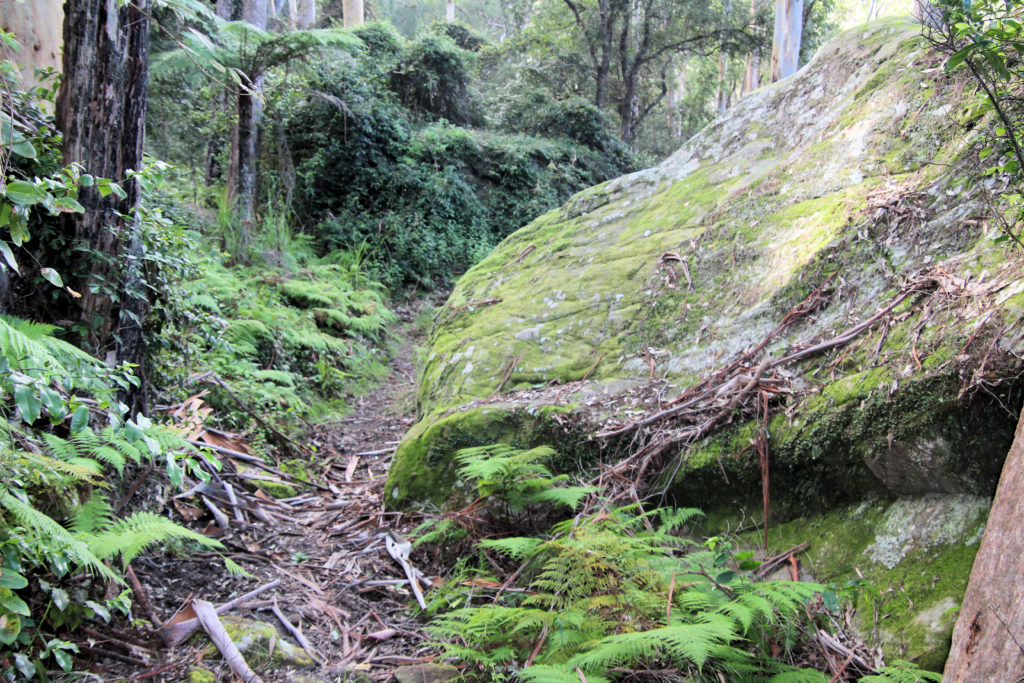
(101, 111)
(988, 639)
(243, 169)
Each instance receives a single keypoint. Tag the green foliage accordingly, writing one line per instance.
(985, 38)
(540, 113)
(593, 599)
(432, 79)
(424, 201)
(902, 672)
(286, 342)
(518, 477)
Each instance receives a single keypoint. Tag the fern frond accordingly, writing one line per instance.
(901, 671)
(130, 536)
(685, 643)
(569, 496)
(91, 515)
(46, 527)
(801, 676)
(64, 450)
(84, 474)
(515, 548)
(545, 673)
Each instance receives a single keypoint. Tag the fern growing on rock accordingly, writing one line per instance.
(608, 594)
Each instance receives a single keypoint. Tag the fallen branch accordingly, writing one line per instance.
(471, 304)
(523, 254)
(302, 640)
(207, 616)
(181, 626)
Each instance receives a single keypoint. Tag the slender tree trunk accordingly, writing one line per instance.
(721, 97)
(307, 13)
(101, 111)
(988, 639)
(449, 11)
(752, 66)
(243, 172)
(789, 19)
(353, 12)
(293, 14)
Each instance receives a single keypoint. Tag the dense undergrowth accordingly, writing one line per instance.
(615, 593)
(387, 151)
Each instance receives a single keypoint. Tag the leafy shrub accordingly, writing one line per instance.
(432, 79)
(538, 113)
(422, 201)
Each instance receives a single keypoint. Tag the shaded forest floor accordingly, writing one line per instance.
(327, 546)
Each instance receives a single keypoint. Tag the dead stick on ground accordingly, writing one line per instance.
(207, 616)
(175, 632)
(506, 373)
(483, 302)
(523, 254)
(255, 461)
(593, 367)
(142, 597)
(306, 645)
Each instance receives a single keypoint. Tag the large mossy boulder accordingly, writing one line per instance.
(846, 186)
(849, 176)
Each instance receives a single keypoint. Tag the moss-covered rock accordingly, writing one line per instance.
(916, 553)
(261, 644)
(841, 178)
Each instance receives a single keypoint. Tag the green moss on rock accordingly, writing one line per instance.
(916, 553)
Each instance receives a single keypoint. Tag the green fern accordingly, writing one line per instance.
(47, 528)
(95, 513)
(130, 536)
(902, 671)
(597, 588)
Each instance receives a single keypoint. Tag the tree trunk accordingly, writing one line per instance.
(293, 14)
(353, 12)
(101, 111)
(307, 13)
(988, 644)
(789, 19)
(243, 172)
(449, 11)
(37, 25)
(752, 66)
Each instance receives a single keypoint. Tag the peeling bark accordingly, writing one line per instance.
(789, 22)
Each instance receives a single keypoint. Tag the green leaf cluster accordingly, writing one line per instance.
(622, 590)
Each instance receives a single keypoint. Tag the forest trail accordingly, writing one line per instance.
(338, 583)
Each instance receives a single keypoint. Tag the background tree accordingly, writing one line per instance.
(787, 39)
(628, 47)
(249, 52)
